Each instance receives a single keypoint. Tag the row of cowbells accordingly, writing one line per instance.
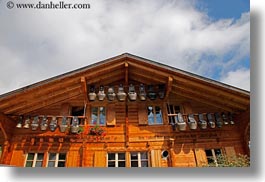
(132, 94)
(44, 124)
(213, 121)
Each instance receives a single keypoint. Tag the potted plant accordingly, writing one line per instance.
(96, 130)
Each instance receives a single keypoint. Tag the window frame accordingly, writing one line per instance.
(172, 112)
(116, 160)
(154, 114)
(213, 156)
(98, 115)
(57, 159)
(139, 159)
(35, 159)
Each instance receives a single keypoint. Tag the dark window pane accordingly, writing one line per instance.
(134, 156)
(38, 164)
(62, 156)
(121, 156)
(61, 164)
(134, 163)
(121, 163)
(111, 156)
(111, 164)
(144, 155)
(51, 164)
(208, 152)
(217, 152)
(29, 164)
(52, 156)
(40, 156)
(30, 156)
(144, 164)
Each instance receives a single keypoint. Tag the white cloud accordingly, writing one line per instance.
(38, 44)
(239, 78)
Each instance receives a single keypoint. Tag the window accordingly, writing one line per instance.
(172, 110)
(154, 115)
(56, 160)
(212, 156)
(139, 159)
(34, 160)
(78, 111)
(98, 115)
(51, 160)
(116, 159)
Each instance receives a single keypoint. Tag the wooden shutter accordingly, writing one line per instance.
(201, 157)
(73, 159)
(142, 114)
(100, 159)
(18, 158)
(111, 115)
(156, 158)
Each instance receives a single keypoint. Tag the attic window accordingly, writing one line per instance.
(172, 110)
(78, 111)
(154, 115)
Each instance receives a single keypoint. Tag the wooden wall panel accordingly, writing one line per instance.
(183, 157)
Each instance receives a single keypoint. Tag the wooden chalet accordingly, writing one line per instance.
(125, 111)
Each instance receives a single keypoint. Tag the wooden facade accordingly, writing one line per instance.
(182, 120)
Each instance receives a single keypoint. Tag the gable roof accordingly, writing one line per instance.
(121, 68)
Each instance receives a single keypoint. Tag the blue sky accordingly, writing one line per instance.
(219, 9)
(210, 38)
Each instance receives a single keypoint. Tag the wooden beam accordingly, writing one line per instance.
(193, 82)
(62, 98)
(33, 102)
(37, 93)
(169, 87)
(84, 88)
(206, 96)
(3, 130)
(126, 73)
(198, 99)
